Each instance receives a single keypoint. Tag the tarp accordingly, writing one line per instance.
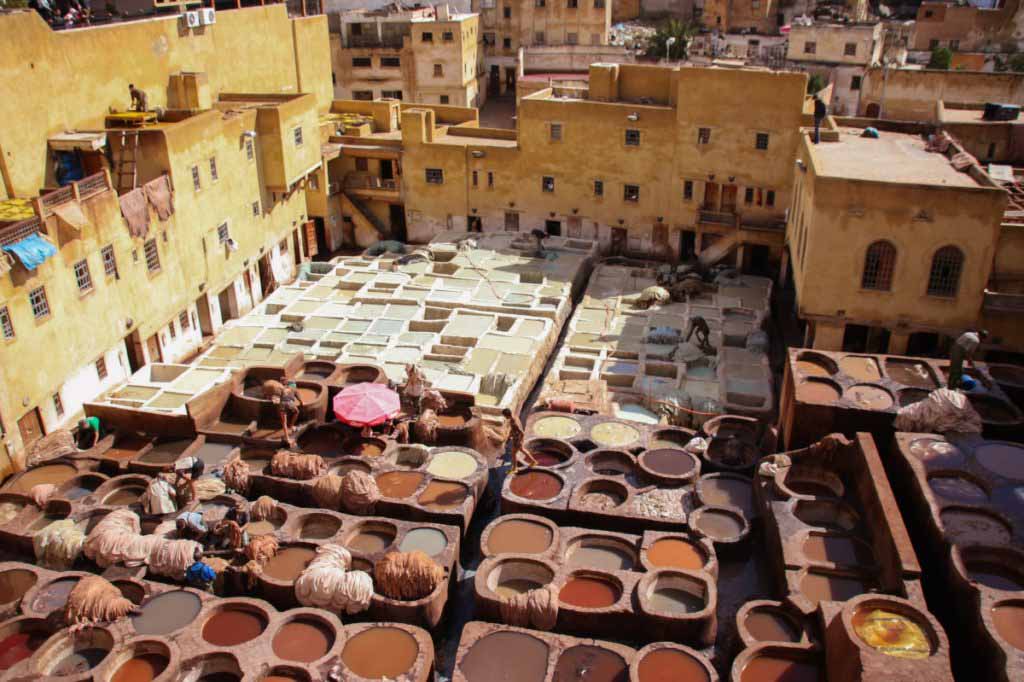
(71, 214)
(32, 251)
(159, 194)
(136, 212)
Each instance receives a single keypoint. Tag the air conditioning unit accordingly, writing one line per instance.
(192, 19)
(207, 15)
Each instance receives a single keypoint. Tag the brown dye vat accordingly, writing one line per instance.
(319, 527)
(718, 525)
(441, 495)
(15, 583)
(214, 454)
(167, 613)
(722, 491)
(363, 448)
(840, 550)
(451, 421)
(669, 439)
(307, 396)
(817, 392)
(818, 587)
(288, 563)
(371, 540)
(584, 663)
(126, 446)
(1008, 619)
(892, 633)
(956, 488)
(19, 646)
(604, 554)
(510, 587)
(506, 656)
(1004, 459)
(536, 485)
(54, 595)
(967, 527)
(589, 592)
(812, 369)
(546, 456)
(82, 487)
(399, 484)
(133, 592)
(671, 665)
(51, 473)
(260, 528)
(231, 627)
(380, 652)
(164, 453)
(430, 541)
(302, 640)
(362, 565)
(860, 368)
(284, 677)
(675, 600)
(674, 553)
(142, 668)
(810, 487)
(910, 373)
(992, 409)
(78, 661)
(127, 495)
(220, 677)
(517, 535)
(323, 441)
(767, 625)
(777, 669)
(909, 396)
(668, 462)
(869, 397)
(994, 576)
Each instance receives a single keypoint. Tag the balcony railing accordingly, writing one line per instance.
(369, 182)
(718, 217)
(47, 203)
(996, 302)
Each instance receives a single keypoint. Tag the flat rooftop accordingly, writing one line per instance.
(892, 158)
(950, 115)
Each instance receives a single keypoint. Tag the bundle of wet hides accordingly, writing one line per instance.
(51, 446)
(236, 474)
(261, 548)
(295, 466)
(327, 492)
(327, 583)
(943, 411)
(263, 508)
(407, 575)
(171, 558)
(535, 608)
(209, 487)
(41, 493)
(359, 492)
(116, 540)
(59, 544)
(425, 427)
(95, 600)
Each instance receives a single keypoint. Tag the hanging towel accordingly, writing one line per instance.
(72, 215)
(136, 212)
(32, 251)
(160, 197)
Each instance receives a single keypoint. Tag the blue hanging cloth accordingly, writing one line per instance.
(32, 251)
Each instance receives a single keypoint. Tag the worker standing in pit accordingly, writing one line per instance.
(964, 349)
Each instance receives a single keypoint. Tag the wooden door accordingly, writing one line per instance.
(153, 348)
(31, 427)
(710, 196)
(618, 241)
(729, 198)
(660, 239)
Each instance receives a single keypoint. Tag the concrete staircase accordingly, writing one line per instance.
(725, 245)
(369, 228)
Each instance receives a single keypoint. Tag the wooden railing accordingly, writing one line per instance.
(15, 232)
(718, 217)
(77, 191)
(371, 182)
(996, 302)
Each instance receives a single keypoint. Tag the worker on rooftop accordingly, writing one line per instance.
(963, 349)
(820, 112)
(139, 100)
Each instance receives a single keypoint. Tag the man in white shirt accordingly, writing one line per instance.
(963, 349)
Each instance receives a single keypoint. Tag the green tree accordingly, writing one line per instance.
(815, 83)
(942, 58)
(682, 31)
(1017, 62)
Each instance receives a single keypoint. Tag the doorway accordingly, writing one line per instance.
(266, 282)
(322, 247)
(474, 223)
(618, 241)
(872, 111)
(687, 244)
(553, 227)
(396, 212)
(31, 428)
(494, 84)
(153, 348)
(510, 79)
(387, 170)
(759, 257)
(729, 198)
(710, 196)
(226, 301)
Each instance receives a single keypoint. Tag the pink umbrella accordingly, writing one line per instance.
(366, 404)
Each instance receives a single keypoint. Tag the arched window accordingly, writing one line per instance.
(879, 263)
(944, 279)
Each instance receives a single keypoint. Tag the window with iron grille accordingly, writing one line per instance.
(631, 193)
(101, 368)
(511, 221)
(572, 38)
(632, 137)
(490, 180)
(5, 323)
(703, 135)
(255, 209)
(170, 328)
(850, 49)
(572, 4)
(476, 178)
(438, 70)
(250, 150)
(507, 12)
(391, 62)
(297, 134)
(855, 83)
(598, 188)
(152, 255)
(109, 260)
(223, 236)
(83, 278)
(447, 36)
(435, 176)
(944, 279)
(58, 405)
(748, 195)
(362, 164)
(184, 321)
(687, 190)
(391, 94)
(362, 95)
(879, 264)
(547, 184)
(40, 304)
(556, 132)
(810, 47)
(428, 37)
(213, 168)
(761, 141)
(598, 4)
(538, 38)
(444, 99)
(769, 198)
(196, 183)
(362, 62)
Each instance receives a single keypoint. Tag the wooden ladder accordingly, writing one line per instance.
(127, 169)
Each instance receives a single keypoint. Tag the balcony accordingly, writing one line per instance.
(727, 218)
(372, 187)
(51, 203)
(996, 302)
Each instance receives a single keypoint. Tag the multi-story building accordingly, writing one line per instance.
(162, 225)
(839, 53)
(911, 94)
(969, 27)
(753, 16)
(425, 54)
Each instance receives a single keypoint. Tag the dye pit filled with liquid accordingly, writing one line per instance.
(166, 613)
(674, 553)
(519, 536)
(288, 563)
(380, 652)
(141, 668)
(589, 592)
(232, 626)
(303, 641)
(506, 656)
(584, 663)
(671, 665)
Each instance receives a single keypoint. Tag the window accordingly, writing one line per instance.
(152, 256)
(362, 164)
(428, 37)
(40, 305)
(101, 368)
(703, 135)
(879, 263)
(632, 137)
(183, 321)
(855, 83)
(850, 49)
(390, 62)
(170, 330)
(540, 3)
(944, 279)
(363, 62)
(83, 278)
(297, 134)
(489, 39)
(506, 43)
(447, 36)
(314, 182)
(357, 29)
(213, 168)
(58, 405)
(748, 195)
(770, 198)
(255, 209)
(572, 4)
(435, 176)
(438, 70)
(687, 190)
(196, 184)
(598, 188)
(572, 38)
(761, 141)
(444, 99)
(556, 132)
(598, 4)
(547, 184)
(250, 151)
(810, 47)
(5, 323)
(511, 221)
(223, 236)
(391, 94)
(631, 193)
(476, 179)
(362, 95)
(538, 38)
(506, 12)
(109, 260)
(928, 14)
(932, 44)
(490, 180)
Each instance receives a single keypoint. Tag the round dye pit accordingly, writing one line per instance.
(141, 668)
(515, 577)
(233, 626)
(55, 474)
(364, 447)
(288, 563)
(732, 453)
(995, 576)
(817, 391)
(131, 591)
(452, 464)
(614, 434)
(455, 420)
(319, 526)
(78, 661)
(993, 410)
(769, 668)
(671, 665)
(604, 553)
(323, 441)
(399, 484)
(20, 640)
(842, 550)
(814, 482)
(816, 365)
(869, 397)
(380, 652)
(956, 487)
(303, 640)
(506, 656)
(676, 594)
(584, 663)
(669, 438)
(601, 495)
(443, 495)
(669, 463)
(1008, 619)
(78, 488)
(126, 446)
(1004, 459)
(127, 495)
(556, 427)
(911, 373)
(718, 524)
(546, 452)
(371, 538)
(819, 587)
(909, 396)
(165, 453)
(15, 583)
(285, 676)
(770, 625)
(724, 490)
(8, 510)
(676, 553)
(431, 541)
(974, 527)
(860, 368)
(54, 595)
(590, 592)
(892, 634)
(938, 453)
(411, 456)
(536, 485)
(260, 528)
(611, 463)
(519, 536)
(167, 613)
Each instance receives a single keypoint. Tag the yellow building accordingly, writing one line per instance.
(427, 54)
(839, 53)
(892, 245)
(186, 215)
(757, 16)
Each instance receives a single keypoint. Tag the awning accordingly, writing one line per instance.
(32, 251)
(86, 142)
(71, 214)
